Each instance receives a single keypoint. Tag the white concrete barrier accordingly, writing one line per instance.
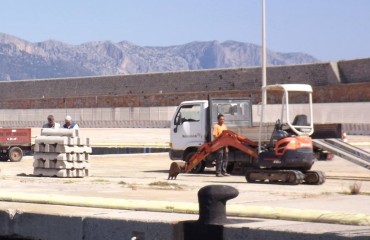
(63, 173)
(59, 132)
(61, 153)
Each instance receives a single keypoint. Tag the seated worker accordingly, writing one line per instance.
(68, 123)
(51, 123)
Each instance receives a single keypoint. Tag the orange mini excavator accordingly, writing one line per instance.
(286, 158)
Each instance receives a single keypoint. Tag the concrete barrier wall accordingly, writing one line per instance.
(89, 114)
(355, 71)
(354, 115)
(169, 89)
(323, 113)
(318, 74)
(359, 92)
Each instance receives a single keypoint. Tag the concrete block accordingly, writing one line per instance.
(63, 173)
(118, 229)
(62, 156)
(83, 156)
(60, 164)
(59, 132)
(41, 147)
(4, 223)
(230, 233)
(38, 163)
(56, 140)
(71, 165)
(83, 141)
(59, 148)
(37, 148)
(42, 226)
(50, 163)
(73, 149)
(45, 156)
(63, 140)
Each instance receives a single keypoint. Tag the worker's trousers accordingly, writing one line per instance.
(221, 160)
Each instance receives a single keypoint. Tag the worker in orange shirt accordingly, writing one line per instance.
(221, 154)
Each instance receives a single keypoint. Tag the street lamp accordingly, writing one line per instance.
(263, 89)
(264, 98)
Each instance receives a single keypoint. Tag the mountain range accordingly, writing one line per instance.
(20, 59)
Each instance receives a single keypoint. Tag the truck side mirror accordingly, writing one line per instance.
(177, 122)
(178, 119)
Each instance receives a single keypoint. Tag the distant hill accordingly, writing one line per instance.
(20, 59)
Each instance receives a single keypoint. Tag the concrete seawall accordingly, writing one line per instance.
(169, 89)
(353, 115)
(92, 223)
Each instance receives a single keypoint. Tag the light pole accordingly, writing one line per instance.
(264, 72)
(264, 98)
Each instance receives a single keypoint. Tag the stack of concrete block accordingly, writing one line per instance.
(61, 153)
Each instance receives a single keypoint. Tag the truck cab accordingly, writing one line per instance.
(192, 126)
(189, 128)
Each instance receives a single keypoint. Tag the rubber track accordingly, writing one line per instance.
(321, 177)
(299, 176)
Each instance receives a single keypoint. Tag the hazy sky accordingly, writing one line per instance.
(326, 29)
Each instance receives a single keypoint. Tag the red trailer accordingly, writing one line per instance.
(13, 141)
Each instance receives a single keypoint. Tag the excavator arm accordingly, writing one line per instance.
(227, 138)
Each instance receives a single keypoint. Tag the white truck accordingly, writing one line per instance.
(191, 126)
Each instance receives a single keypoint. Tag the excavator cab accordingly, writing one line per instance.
(296, 108)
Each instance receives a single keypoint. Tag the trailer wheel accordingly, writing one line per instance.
(199, 168)
(15, 154)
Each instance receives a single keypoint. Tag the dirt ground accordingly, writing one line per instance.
(144, 176)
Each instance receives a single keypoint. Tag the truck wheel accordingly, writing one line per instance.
(15, 154)
(199, 168)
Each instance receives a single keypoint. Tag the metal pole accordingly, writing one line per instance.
(264, 98)
(264, 57)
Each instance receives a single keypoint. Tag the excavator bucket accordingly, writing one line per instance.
(175, 169)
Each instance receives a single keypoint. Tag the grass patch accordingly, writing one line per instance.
(165, 185)
(170, 208)
(355, 188)
(101, 180)
(69, 182)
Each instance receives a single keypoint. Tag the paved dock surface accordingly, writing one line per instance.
(144, 177)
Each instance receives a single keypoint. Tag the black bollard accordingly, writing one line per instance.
(212, 213)
(212, 203)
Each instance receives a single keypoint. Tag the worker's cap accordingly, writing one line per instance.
(68, 118)
(50, 117)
